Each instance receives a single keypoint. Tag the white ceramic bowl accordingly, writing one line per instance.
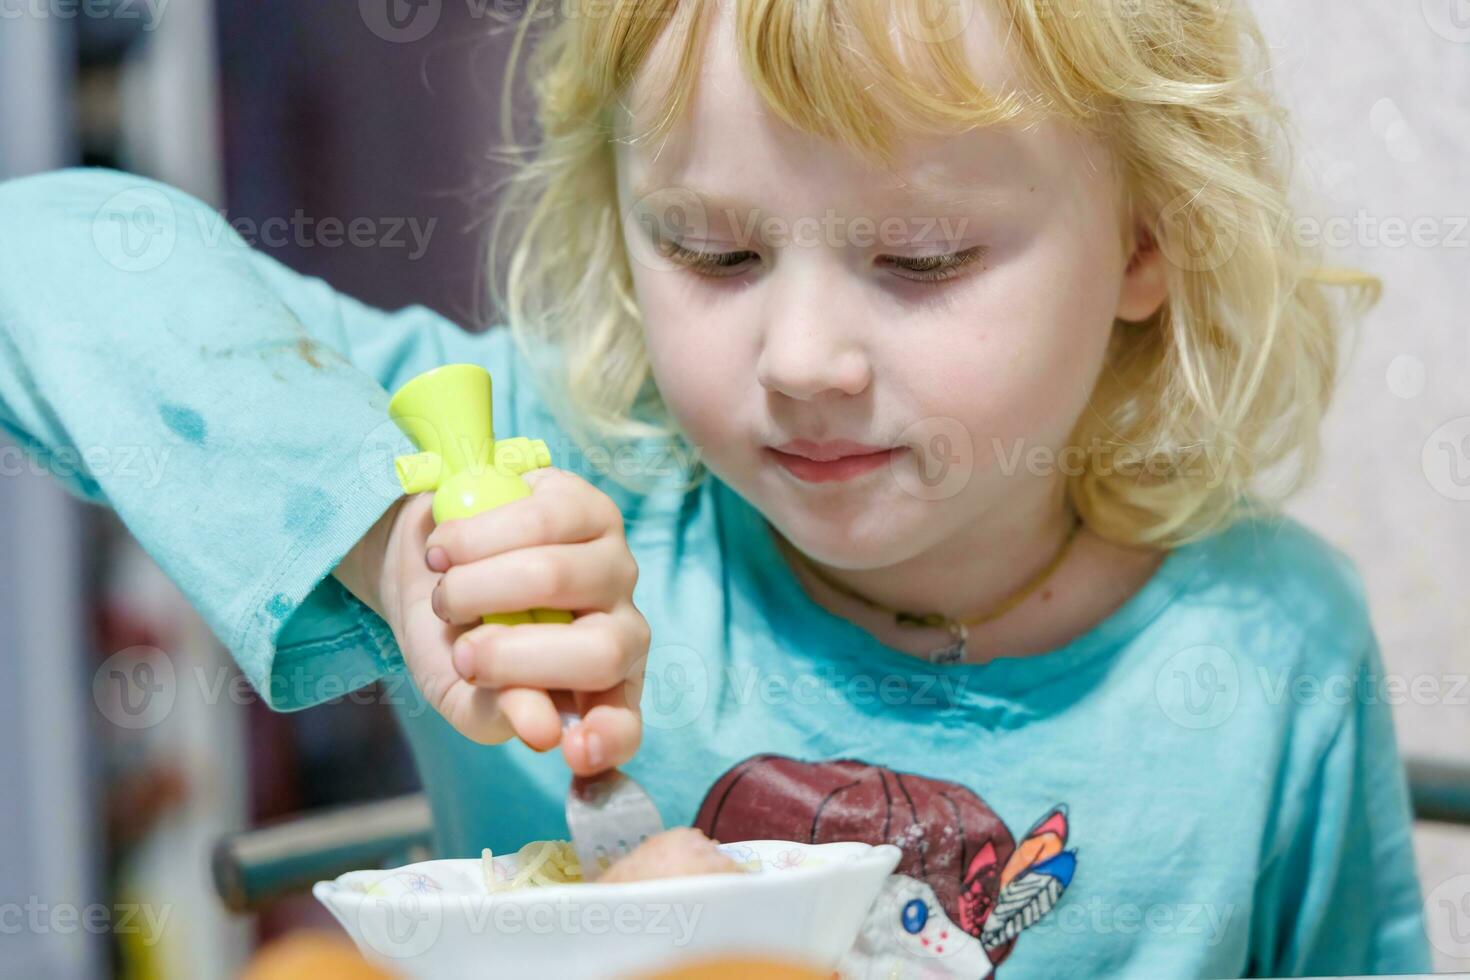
(436, 919)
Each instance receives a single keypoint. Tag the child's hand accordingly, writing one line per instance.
(560, 548)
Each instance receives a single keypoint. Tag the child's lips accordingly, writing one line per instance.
(832, 470)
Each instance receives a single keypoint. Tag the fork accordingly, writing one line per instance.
(608, 815)
(447, 413)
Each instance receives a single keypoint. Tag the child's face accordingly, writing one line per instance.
(818, 324)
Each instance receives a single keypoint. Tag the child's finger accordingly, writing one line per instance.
(532, 716)
(593, 575)
(481, 714)
(491, 717)
(477, 713)
(562, 511)
(608, 735)
(592, 653)
(472, 711)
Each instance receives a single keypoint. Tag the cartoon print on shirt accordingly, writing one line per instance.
(963, 890)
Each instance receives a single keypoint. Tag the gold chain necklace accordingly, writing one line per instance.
(959, 629)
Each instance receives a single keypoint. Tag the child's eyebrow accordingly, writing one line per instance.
(913, 197)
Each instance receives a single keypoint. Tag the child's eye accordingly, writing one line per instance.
(715, 264)
(934, 268)
(926, 268)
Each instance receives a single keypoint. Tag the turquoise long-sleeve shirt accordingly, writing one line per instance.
(1204, 784)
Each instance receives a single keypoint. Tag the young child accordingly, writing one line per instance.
(908, 383)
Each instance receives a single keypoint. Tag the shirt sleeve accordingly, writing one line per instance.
(1347, 896)
(232, 412)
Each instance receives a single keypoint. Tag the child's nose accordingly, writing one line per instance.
(807, 361)
(812, 347)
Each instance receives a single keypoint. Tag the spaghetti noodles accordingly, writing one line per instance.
(670, 853)
(542, 862)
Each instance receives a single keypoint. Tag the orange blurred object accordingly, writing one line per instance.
(739, 968)
(318, 955)
(311, 954)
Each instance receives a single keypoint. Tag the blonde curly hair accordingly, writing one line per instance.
(1226, 384)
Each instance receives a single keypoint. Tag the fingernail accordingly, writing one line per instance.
(464, 659)
(594, 749)
(437, 559)
(436, 601)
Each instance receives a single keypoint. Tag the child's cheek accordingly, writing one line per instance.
(1042, 321)
(700, 382)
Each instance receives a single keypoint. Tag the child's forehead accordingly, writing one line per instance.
(772, 164)
(727, 126)
(731, 152)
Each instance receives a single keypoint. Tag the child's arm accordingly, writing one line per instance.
(232, 412)
(1342, 897)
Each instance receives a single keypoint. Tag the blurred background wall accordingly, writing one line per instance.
(50, 846)
(1386, 150)
(286, 114)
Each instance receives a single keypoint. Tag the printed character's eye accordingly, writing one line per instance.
(934, 268)
(714, 264)
(915, 914)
